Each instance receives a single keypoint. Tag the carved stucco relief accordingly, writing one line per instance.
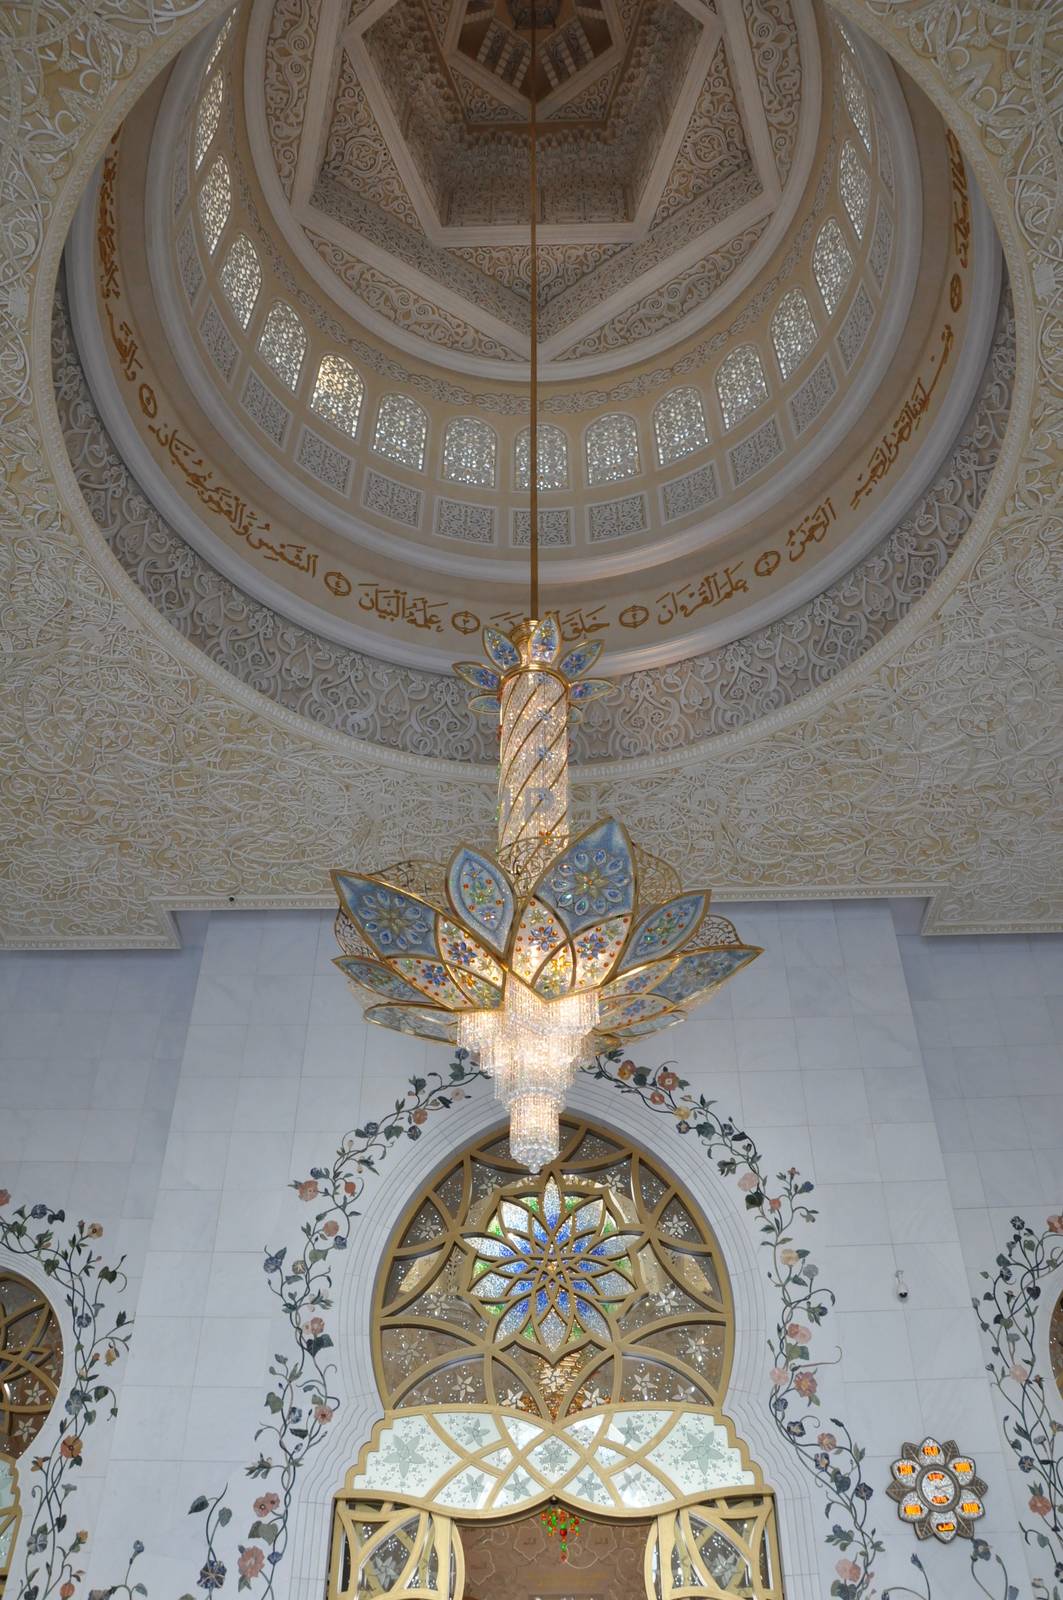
(426, 714)
(138, 775)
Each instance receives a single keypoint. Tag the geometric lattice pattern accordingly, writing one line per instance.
(401, 431)
(215, 200)
(612, 446)
(338, 393)
(831, 263)
(793, 332)
(855, 186)
(282, 342)
(469, 452)
(31, 1361)
(679, 425)
(650, 1322)
(740, 384)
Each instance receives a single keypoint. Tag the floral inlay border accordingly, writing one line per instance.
(85, 1283)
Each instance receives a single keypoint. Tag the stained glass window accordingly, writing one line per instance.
(679, 425)
(470, 449)
(856, 99)
(207, 117)
(612, 446)
(855, 186)
(401, 431)
(740, 384)
(282, 343)
(1055, 1343)
(215, 199)
(241, 278)
(831, 263)
(338, 392)
(793, 332)
(31, 1363)
(553, 458)
(650, 1316)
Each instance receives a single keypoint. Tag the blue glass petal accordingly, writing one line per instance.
(481, 895)
(515, 1218)
(513, 1269)
(591, 879)
(541, 1301)
(591, 1319)
(486, 1244)
(588, 1217)
(394, 923)
(381, 979)
(703, 969)
(484, 705)
(664, 929)
(476, 674)
(612, 1286)
(580, 659)
(590, 689)
(424, 1022)
(562, 1302)
(617, 1244)
(513, 1321)
(540, 1234)
(502, 651)
(490, 1287)
(552, 1203)
(546, 638)
(564, 1231)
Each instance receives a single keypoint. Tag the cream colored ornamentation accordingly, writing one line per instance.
(714, 144)
(292, 32)
(127, 753)
(776, 56)
(356, 147)
(424, 713)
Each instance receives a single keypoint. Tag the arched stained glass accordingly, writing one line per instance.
(31, 1363)
(241, 278)
(612, 446)
(470, 452)
(650, 1321)
(1055, 1343)
(553, 458)
(215, 200)
(831, 263)
(740, 384)
(793, 332)
(855, 186)
(338, 393)
(401, 431)
(282, 342)
(856, 99)
(679, 425)
(207, 117)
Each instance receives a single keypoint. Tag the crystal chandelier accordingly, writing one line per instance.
(557, 948)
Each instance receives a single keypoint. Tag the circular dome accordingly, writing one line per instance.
(770, 329)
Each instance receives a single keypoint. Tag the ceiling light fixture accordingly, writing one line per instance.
(558, 948)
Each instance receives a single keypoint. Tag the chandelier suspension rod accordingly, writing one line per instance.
(533, 432)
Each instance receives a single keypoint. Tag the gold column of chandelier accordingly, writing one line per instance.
(557, 948)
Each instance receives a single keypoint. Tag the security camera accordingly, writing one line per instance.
(902, 1287)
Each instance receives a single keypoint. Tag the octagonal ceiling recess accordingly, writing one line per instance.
(391, 137)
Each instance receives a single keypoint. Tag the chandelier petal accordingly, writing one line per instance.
(501, 650)
(539, 933)
(434, 981)
(697, 975)
(597, 950)
(458, 948)
(580, 658)
(482, 896)
(545, 640)
(593, 878)
(554, 977)
(590, 689)
(478, 676)
(424, 1022)
(665, 928)
(391, 921)
(373, 975)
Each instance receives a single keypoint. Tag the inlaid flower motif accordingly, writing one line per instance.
(553, 1267)
(592, 881)
(937, 1490)
(394, 921)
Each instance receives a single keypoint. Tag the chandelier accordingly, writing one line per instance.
(557, 948)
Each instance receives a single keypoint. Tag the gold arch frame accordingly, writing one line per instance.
(680, 1261)
(31, 1364)
(436, 1461)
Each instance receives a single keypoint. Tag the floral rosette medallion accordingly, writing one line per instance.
(937, 1490)
(552, 1267)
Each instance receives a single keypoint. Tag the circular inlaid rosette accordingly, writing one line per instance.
(937, 1490)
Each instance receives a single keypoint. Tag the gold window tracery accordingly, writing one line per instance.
(565, 1339)
(31, 1362)
(646, 1318)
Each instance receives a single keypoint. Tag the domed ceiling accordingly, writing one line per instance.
(397, 146)
(777, 362)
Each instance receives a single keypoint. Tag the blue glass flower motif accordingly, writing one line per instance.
(393, 922)
(593, 878)
(552, 1267)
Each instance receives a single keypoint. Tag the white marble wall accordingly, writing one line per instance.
(918, 1083)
